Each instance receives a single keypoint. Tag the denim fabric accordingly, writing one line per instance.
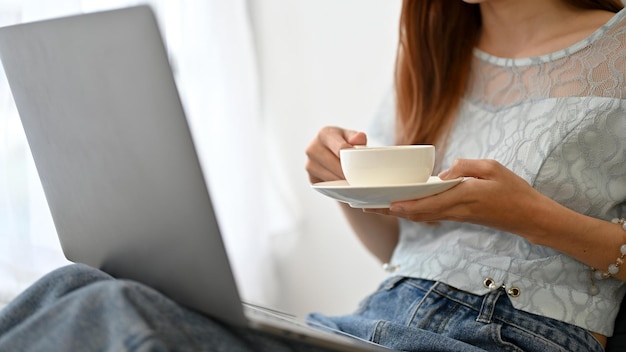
(77, 308)
(404, 312)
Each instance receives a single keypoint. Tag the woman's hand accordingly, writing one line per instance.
(323, 152)
(491, 195)
(379, 234)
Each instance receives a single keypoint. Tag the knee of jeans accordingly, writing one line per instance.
(130, 301)
(126, 292)
(105, 297)
(76, 275)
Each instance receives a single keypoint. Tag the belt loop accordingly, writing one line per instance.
(488, 306)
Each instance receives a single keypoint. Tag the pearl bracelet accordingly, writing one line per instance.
(613, 268)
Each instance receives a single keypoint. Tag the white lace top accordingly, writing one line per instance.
(558, 121)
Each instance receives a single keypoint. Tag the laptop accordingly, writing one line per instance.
(114, 153)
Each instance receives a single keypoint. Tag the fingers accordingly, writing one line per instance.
(421, 216)
(323, 153)
(483, 169)
(336, 138)
(356, 138)
(453, 204)
(322, 164)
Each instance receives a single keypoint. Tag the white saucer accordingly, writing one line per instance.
(382, 196)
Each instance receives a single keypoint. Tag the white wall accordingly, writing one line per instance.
(322, 62)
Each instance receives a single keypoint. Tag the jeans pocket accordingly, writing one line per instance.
(507, 338)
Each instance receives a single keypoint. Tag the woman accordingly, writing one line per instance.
(524, 98)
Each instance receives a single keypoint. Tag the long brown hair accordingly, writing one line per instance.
(433, 62)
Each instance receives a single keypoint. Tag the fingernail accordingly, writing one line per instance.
(396, 208)
(443, 174)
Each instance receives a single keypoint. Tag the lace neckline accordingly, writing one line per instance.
(502, 61)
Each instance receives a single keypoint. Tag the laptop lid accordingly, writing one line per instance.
(114, 153)
(116, 159)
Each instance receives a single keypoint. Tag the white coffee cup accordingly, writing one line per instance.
(390, 165)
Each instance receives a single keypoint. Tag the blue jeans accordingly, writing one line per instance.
(77, 308)
(400, 312)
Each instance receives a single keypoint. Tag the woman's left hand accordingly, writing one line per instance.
(494, 196)
(491, 195)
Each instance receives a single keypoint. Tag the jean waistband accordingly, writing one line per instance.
(495, 306)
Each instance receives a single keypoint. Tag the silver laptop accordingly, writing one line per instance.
(116, 159)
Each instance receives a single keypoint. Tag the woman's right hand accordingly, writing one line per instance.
(379, 234)
(323, 152)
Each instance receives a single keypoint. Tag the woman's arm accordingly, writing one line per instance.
(494, 196)
(378, 233)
